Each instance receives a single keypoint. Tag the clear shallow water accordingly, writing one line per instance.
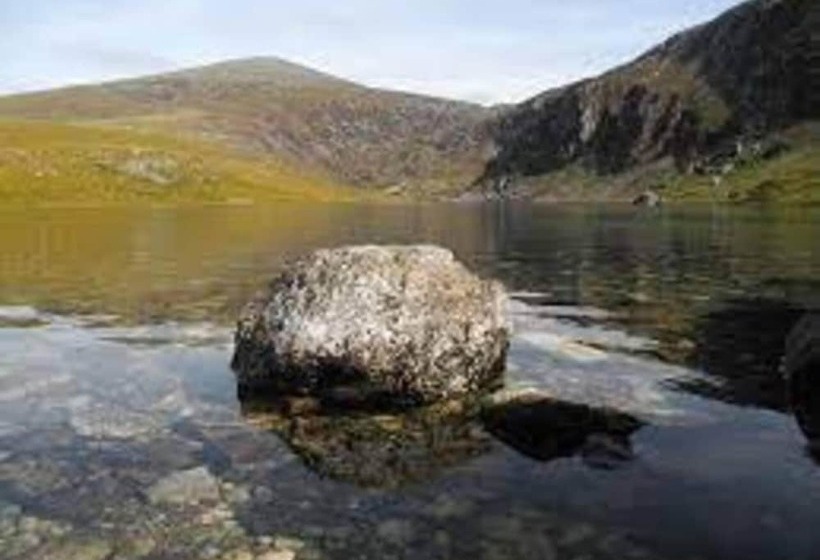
(121, 435)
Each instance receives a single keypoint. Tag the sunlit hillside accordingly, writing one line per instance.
(70, 163)
(269, 107)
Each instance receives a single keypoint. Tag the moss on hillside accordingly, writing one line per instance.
(42, 162)
(791, 177)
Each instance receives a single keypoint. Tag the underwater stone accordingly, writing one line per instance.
(404, 324)
(185, 487)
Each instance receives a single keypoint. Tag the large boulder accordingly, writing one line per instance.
(400, 324)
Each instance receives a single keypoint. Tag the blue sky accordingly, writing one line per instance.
(483, 50)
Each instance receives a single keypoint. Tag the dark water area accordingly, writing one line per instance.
(663, 337)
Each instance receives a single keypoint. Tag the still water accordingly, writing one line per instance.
(121, 435)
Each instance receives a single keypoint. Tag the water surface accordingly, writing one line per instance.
(121, 435)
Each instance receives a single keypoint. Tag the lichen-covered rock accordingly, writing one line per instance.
(408, 324)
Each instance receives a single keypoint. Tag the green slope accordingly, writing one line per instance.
(47, 162)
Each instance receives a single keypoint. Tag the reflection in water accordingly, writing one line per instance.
(96, 413)
(388, 450)
(373, 450)
(545, 429)
(200, 262)
(801, 365)
(740, 343)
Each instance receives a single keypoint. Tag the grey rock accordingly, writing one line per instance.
(288, 543)
(649, 199)
(396, 531)
(9, 510)
(101, 420)
(448, 507)
(401, 323)
(185, 487)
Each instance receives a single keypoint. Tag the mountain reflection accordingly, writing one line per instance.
(741, 343)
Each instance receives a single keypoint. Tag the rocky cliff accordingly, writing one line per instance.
(717, 88)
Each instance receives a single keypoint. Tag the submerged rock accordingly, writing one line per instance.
(385, 450)
(543, 428)
(405, 324)
(185, 487)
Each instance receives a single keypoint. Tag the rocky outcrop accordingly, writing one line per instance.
(404, 325)
(703, 92)
(650, 199)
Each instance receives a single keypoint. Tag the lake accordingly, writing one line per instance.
(121, 435)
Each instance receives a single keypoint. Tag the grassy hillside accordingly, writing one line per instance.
(790, 177)
(683, 118)
(268, 107)
(72, 163)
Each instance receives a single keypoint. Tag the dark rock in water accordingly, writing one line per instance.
(375, 450)
(740, 342)
(650, 199)
(801, 365)
(396, 324)
(545, 429)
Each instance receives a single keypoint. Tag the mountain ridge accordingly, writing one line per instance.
(734, 92)
(726, 83)
(267, 106)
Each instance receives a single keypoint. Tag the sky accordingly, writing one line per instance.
(487, 51)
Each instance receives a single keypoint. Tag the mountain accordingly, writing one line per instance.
(267, 106)
(705, 101)
(727, 110)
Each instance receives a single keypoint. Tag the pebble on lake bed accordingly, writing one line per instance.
(185, 487)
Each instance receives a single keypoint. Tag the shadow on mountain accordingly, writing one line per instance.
(381, 450)
(544, 430)
(741, 344)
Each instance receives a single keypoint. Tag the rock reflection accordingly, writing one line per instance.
(740, 344)
(546, 429)
(801, 365)
(382, 450)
